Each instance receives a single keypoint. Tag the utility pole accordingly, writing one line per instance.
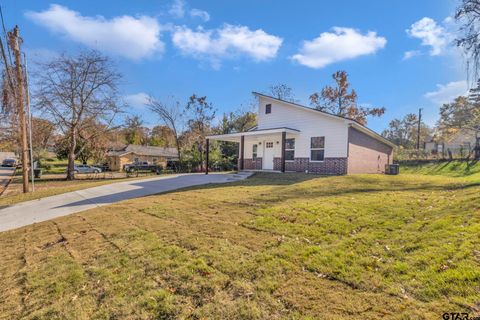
(30, 125)
(14, 43)
(418, 127)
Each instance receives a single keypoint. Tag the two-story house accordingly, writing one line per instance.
(292, 137)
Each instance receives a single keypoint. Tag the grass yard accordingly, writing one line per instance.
(54, 165)
(274, 246)
(453, 168)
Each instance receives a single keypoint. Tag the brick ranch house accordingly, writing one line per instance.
(296, 138)
(137, 154)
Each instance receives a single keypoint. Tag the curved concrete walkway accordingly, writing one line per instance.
(29, 212)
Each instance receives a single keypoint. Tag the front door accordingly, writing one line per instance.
(268, 155)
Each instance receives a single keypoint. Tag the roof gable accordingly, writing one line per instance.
(302, 107)
(328, 115)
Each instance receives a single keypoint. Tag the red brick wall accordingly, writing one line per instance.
(250, 164)
(366, 154)
(330, 166)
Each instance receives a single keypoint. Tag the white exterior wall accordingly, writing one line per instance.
(310, 123)
(251, 140)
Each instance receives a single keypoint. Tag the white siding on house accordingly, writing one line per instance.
(465, 139)
(250, 141)
(310, 123)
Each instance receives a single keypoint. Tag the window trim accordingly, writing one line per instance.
(286, 160)
(268, 108)
(317, 149)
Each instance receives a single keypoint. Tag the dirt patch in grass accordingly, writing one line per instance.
(271, 247)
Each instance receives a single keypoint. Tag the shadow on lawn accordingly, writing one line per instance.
(350, 185)
(144, 188)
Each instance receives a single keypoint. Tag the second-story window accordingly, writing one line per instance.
(268, 108)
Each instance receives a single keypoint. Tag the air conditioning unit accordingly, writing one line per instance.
(392, 169)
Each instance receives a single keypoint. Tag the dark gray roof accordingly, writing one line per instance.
(146, 151)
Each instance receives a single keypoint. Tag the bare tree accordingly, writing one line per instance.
(201, 114)
(468, 15)
(76, 91)
(171, 115)
(8, 116)
(282, 91)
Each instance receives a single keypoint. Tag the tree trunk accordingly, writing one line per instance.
(71, 156)
(177, 142)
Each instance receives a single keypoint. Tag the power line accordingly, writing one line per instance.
(7, 67)
(4, 56)
(5, 35)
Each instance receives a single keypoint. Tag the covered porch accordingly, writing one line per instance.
(259, 149)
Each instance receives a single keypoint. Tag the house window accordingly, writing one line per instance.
(317, 148)
(268, 108)
(289, 149)
(135, 160)
(268, 144)
(254, 152)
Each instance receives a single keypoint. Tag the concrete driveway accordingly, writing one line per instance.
(29, 212)
(5, 176)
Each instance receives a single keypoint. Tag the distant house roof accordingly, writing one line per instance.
(145, 151)
(464, 135)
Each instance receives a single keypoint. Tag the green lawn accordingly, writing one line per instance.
(55, 166)
(276, 246)
(453, 168)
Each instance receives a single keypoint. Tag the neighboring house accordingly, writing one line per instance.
(292, 137)
(137, 154)
(432, 145)
(463, 143)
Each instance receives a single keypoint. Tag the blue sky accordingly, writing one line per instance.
(398, 53)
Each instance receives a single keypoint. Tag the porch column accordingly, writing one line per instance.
(206, 155)
(242, 147)
(284, 136)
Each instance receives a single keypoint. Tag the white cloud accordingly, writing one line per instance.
(410, 54)
(226, 42)
(177, 9)
(126, 36)
(197, 13)
(445, 93)
(137, 100)
(432, 35)
(341, 44)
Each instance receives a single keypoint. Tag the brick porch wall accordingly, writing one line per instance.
(250, 164)
(330, 166)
